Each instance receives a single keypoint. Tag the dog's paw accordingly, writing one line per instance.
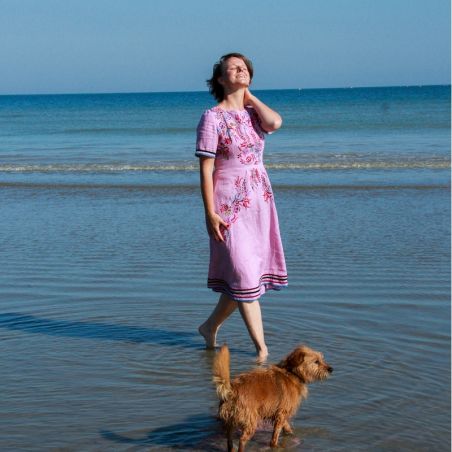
(287, 429)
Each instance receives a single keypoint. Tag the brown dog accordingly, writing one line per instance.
(273, 394)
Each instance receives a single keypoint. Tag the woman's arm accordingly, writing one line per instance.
(213, 220)
(270, 120)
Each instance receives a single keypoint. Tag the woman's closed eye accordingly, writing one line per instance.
(240, 69)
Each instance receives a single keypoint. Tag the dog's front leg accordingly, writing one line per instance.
(287, 428)
(229, 432)
(247, 434)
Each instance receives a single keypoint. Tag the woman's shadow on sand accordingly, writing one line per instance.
(15, 321)
(27, 323)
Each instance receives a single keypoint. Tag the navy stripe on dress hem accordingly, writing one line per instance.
(250, 297)
(266, 279)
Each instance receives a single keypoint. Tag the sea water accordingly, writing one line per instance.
(104, 255)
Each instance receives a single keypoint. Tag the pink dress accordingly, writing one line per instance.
(251, 260)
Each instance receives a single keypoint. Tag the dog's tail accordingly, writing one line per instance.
(221, 376)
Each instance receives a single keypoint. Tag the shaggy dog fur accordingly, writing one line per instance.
(273, 394)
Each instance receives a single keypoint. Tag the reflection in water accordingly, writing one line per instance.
(92, 330)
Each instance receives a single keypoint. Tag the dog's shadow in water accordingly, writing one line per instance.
(203, 432)
(198, 432)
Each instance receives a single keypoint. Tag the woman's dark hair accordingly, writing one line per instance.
(215, 88)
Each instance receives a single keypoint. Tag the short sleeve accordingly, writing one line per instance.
(207, 135)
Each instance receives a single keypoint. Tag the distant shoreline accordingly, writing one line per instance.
(205, 91)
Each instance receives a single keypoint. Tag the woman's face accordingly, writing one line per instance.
(235, 73)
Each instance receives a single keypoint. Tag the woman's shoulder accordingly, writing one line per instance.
(209, 120)
(210, 115)
(210, 112)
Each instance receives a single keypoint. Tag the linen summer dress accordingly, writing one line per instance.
(251, 259)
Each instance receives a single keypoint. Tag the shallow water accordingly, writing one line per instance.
(104, 256)
(103, 289)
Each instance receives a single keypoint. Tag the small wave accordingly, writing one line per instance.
(194, 188)
(432, 164)
(115, 168)
(93, 168)
(125, 130)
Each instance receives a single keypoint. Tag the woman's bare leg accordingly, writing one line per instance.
(224, 308)
(251, 314)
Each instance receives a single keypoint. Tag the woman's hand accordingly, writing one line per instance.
(270, 120)
(247, 97)
(214, 224)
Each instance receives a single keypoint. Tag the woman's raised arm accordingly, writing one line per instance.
(270, 120)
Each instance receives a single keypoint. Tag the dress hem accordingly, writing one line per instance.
(247, 295)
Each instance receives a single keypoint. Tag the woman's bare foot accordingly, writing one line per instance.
(209, 336)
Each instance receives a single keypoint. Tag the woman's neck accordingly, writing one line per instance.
(233, 100)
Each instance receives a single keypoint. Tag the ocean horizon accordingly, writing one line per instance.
(203, 90)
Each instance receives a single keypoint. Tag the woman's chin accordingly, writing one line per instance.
(242, 84)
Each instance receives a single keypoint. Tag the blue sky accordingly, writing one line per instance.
(72, 46)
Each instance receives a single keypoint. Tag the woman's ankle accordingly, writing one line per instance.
(261, 354)
(209, 335)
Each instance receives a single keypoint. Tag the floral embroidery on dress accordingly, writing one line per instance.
(255, 178)
(223, 147)
(241, 196)
(268, 194)
(240, 199)
(249, 142)
(259, 179)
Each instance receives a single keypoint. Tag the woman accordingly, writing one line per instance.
(246, 254)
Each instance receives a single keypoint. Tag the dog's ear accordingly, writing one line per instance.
(293, 360)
